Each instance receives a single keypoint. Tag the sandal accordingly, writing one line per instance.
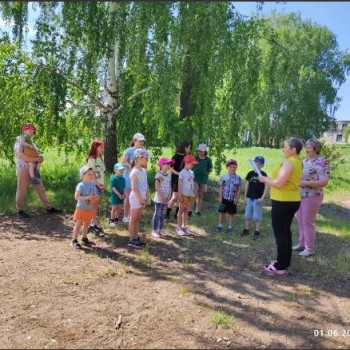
(273, 271)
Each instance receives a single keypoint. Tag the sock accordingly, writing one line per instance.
(229, 226)
(92, 223)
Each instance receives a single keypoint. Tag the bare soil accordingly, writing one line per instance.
(166, 294)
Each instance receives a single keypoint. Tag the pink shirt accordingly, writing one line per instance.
(314, 170)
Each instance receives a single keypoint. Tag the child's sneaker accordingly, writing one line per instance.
(230, 230)
(256, 235)
(136, 243)
(94, 230)
(218, 229)
(76, 245)
(155, 234)
(198, 213)
(189, 214)
(162, 233)
(245, 232)
(85, 241)
(180, 231)
(34, 181)
(185, 230)
(126, 220)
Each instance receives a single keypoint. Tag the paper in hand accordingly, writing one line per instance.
(255, 167)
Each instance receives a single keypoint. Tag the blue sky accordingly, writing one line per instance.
(335, 15)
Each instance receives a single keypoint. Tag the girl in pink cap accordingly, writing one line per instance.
(162, 196)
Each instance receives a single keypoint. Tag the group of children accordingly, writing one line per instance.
(191, 185)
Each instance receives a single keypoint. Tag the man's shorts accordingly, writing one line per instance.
(82, 215)
(253, 210)
(227, 207)
(198, 187)
(187, 199)
(174, 184)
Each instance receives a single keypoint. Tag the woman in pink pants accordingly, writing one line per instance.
(315, 177)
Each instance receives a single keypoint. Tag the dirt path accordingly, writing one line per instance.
(167, 294)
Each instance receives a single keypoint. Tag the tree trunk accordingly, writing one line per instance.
(111, 154)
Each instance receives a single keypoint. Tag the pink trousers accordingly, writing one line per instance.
(23, 178)
(306, 217)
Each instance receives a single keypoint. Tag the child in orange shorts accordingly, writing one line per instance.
(85, 194)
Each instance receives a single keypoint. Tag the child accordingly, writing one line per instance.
(31, 151)
(254, 194)
(201, 174)
(229, 192)
(85, 194)
(95, 162)
(139, 196)
(117, 193)
(162, 196)
(186, 194)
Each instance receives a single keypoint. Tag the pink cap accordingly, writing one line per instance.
(164, 160)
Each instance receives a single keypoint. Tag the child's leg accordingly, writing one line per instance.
(247, 224)
(156, 216)
(113, 212)
(38, 165)
(135, 215)
(117, 211)
(184, 214)
(137, 226)
(221, 218)
(163, 211)
(94, 211)
(31, 168)
(85, 228)
(230, 219)
(199, 198)
(127, 192)
(77, 226)
(179, 214)
(258, 225)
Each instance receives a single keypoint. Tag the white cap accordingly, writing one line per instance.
(83, 170)
(138, 136)
(202, 147)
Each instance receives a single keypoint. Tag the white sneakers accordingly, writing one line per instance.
(305, 253)
(126, 219)
(297, 247)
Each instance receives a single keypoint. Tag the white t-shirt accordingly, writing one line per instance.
(165, 186)
(187, 178)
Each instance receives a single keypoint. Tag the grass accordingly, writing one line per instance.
(222, 319)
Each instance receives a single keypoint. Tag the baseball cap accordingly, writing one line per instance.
(231, 161)
(118, 166)
(138, 136)
(83, 170)
(164, 160)
(202, 147)
(141, 152)
(28, 126)
(259, 159)
(190, 159)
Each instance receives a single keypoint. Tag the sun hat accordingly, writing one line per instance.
(138, 136)
(231, 161)
(259, 159)
(28, 126)
(165, 160)
(141, 152)
(190, 159)
(83, 170)
(118, 166)
(202, 147)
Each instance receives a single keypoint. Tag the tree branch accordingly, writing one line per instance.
(132, 97)
(81, 106)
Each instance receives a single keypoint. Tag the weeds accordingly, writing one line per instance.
(221, 318)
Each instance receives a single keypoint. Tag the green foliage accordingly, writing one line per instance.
(332, 154)
(346, 134)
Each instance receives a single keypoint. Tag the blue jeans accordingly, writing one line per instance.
(160, 210)
(253, 210)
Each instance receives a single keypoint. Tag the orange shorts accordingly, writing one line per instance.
(187, 199)
(82, 215)
(30, 152)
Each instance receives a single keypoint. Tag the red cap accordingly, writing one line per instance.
(28, 126)
(190, 159)
(231, 161)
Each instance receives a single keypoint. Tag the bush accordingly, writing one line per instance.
(332, 154)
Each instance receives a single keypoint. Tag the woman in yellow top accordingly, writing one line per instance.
(285, 198)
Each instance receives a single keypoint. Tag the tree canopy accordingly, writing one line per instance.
(172, 70)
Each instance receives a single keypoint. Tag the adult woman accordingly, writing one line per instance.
(285, 197)
(23, 177)
(315, 177)
(95, 161)
(138, 141)
(183, 149)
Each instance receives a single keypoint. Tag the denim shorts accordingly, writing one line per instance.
(253, 210)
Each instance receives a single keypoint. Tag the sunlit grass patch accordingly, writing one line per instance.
(221, 318)
(343, 262)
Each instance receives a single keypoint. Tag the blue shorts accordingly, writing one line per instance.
(253, 210)
(127, 180)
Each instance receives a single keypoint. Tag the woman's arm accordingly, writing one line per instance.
(282, 176)
(160, 194)
(125, 160)
(316, 183)
(179, 190)
(237, 195)
(246, 187)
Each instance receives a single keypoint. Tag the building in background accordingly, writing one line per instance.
(337, 135)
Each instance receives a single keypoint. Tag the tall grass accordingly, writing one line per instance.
(60, 176)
